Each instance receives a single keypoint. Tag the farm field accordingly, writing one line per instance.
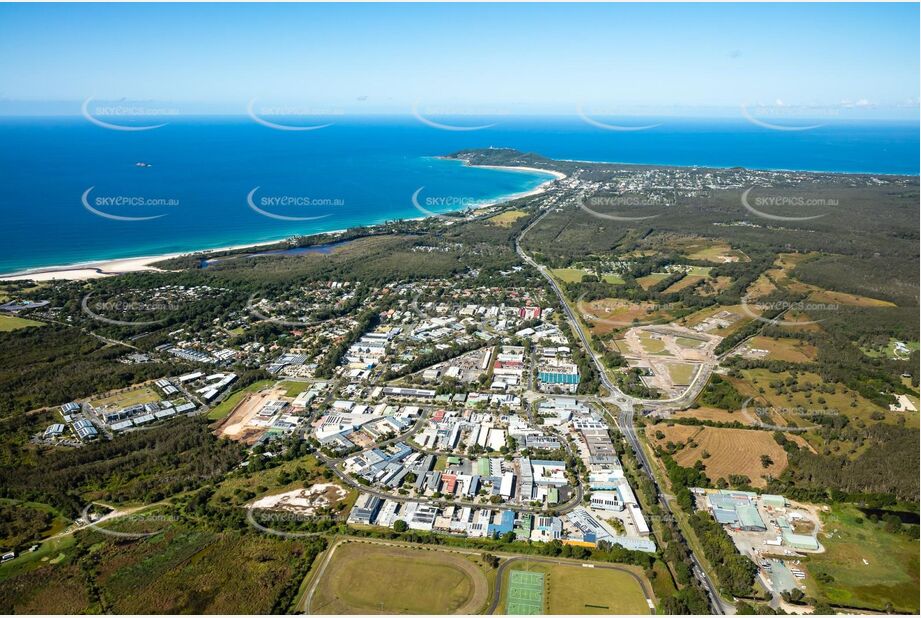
(650, 280)
(507, 218)
(11, 322)
(685, 282)
(714, 286)
(789, 350)
(569, 275)
(612, 278)
(574, 589)
(373, 578)
(863, 565)
(717, 415)
(829, 297)
(732, 451)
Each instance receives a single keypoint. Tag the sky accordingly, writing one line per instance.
(463, 58)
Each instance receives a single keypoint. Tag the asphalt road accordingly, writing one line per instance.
(626, 422)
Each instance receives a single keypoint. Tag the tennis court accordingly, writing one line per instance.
(525, 593)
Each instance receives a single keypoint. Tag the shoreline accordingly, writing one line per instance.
(97, 269)
(517, 196)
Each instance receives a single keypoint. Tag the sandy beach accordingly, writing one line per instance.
(109, 268)
(556, 175)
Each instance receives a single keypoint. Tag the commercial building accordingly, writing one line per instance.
(366, 509)
(736, 509)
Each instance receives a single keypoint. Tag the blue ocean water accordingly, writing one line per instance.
(356, 171)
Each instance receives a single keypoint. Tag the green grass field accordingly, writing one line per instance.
(573, 589)
(525, 593)
(226, 407)
(681, 373)
(650, 345)
(568, 275)
(507, 218)
(293, 389)
(143, 394)
(372, 578)
(687, 342)
(613, 279)
(863, 565)
(11, 322)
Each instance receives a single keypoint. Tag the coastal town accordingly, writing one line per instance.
(527, 398)
(460, 308)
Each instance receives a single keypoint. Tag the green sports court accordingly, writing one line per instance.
(525, 593)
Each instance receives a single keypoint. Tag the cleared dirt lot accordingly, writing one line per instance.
(238, 424)
(610, 314)
(673, 354)
(789, 350)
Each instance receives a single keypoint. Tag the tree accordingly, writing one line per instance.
(400, 526)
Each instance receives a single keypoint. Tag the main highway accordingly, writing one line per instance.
(626, 404)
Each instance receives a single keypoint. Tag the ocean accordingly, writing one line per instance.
(73, 192)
